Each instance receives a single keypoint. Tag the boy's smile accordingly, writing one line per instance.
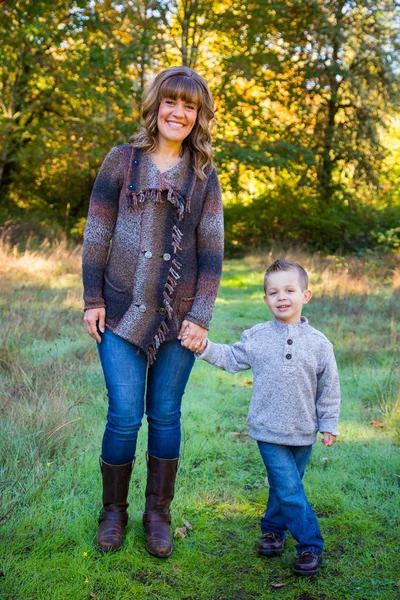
(284, 296)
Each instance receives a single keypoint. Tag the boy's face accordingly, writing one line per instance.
(284, 296)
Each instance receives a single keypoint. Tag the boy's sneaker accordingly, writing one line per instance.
(307, 563)
(270, 545)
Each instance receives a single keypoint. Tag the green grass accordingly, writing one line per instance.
(53, 407)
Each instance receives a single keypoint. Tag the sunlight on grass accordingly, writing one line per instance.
(53, 406)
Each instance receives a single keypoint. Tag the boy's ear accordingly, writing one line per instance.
(307, 296)
(265, 300)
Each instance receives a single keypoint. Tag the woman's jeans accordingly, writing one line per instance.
(130, 384)
(287, 506)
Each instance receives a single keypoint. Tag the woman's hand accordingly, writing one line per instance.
(92, 315)
(193, 337)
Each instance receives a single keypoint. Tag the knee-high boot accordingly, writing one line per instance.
(161, 475)
(113, 516)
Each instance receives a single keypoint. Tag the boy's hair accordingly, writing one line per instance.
(287, 265)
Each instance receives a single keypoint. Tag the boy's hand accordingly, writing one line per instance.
(329, 439)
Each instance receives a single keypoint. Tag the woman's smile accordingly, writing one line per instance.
(176, 119)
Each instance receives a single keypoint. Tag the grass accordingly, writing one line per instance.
(53, 407)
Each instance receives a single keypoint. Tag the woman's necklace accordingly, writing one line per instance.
(169, 165)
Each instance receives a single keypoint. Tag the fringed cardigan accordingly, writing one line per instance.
(153, 247)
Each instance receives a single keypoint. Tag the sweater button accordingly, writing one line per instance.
(288, 356)
(162, 311)
(166, 257)
(148, 254)
(135, 162)
(131, 187)
(142, 308)
(290, 342)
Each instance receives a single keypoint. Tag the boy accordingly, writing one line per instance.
(295, 394)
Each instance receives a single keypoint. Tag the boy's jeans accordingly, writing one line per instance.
(287, 506)
(130, 385)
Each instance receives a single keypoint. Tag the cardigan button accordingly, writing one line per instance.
(142, 308)
(162, 311)
(166, 257)
(131, 187)
(135, 162)
(290, 342)
(148, 254)
(288, 356)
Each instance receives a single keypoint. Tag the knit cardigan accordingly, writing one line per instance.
(152, 253)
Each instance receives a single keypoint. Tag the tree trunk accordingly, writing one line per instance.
(325, 176)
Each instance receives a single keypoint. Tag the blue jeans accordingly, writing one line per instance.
(288, 507)
(130, 385)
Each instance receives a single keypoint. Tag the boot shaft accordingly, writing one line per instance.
(116, 480)
(161, 476)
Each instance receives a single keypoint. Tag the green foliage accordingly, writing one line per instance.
(305, 95)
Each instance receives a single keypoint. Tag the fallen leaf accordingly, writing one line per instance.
(180, 532)
(188, 525)
(93, 596)
(324, 459)
(248, 382)
(277, 585)
(377, 423)
(266, 482)
(239, 433)
(176, 569)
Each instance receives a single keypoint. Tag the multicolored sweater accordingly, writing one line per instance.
(153, 247)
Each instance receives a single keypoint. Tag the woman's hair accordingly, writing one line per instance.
(186, 84)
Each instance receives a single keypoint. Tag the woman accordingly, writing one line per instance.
(152, 260)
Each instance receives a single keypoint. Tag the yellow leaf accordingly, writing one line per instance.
(180, 532)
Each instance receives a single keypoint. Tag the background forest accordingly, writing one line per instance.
(307, 137)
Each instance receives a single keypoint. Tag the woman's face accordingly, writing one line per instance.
(176, 119)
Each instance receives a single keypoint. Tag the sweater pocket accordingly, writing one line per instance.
(185, 304)
(117, 299)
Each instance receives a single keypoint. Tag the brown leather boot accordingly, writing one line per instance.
(113, 517)
(307, 564)
(271, 544)
(161, 474)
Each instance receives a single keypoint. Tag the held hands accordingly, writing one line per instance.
(193, 337)
(92, 316)
(329, 439)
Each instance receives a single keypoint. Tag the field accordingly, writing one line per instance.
(53, 407)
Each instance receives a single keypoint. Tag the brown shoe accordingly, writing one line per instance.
(161, 475)
(113, 517)
(270, 545)
(307, 563)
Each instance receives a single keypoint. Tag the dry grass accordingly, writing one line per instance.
(337, 276)
(40, 304)
(41, 298)
(50, 378)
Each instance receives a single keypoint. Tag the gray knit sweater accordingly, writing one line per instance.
(296, 389)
